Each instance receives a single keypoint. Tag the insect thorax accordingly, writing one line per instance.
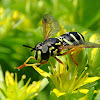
(53, 45)
(50, 47)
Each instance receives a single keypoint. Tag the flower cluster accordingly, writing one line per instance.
(63, 81)
(10, 89)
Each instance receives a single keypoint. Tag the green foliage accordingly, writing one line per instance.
(97, 97)
(20, 24)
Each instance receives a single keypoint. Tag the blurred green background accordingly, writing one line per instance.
(20, 24)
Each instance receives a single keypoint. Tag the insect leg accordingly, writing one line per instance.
(71, 56)
(60, 61)
(25, 63)
(42, 63)
(38, 64)
(70, 51)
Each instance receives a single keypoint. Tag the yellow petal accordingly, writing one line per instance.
(33, 87)
(88, 80)
(33, 96)
(58, 93)
(93, 53)
(62, 31)
(73, 29)
(16, 78)
(9, 79)
(93, 38)
(41, 72)
(91, 79)
(15, 14)
(84, 91)
(84, 32)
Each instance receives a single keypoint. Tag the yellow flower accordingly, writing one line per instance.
(58, 93)
(13, 90)
(64, 81)
(84, 32)
(15, 15)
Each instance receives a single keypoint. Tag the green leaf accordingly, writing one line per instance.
(2, 91)
(90, 94)
(53, 96)
(1, 75)
(51, 83)
(89, 12)
(68, 95)
(43, 84)
(97, 96)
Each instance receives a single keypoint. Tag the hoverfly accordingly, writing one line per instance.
(53, 46)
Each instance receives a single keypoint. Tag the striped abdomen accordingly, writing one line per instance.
(71, 38)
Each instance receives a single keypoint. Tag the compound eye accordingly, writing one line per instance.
(38, 46)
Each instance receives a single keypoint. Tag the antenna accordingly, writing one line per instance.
(29, 47)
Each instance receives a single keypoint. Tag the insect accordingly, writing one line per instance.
(69, 41)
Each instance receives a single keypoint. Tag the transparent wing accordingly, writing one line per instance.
(50, 26)
(86, 44)
(90, 45)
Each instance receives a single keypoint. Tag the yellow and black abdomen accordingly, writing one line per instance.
(71, 38)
